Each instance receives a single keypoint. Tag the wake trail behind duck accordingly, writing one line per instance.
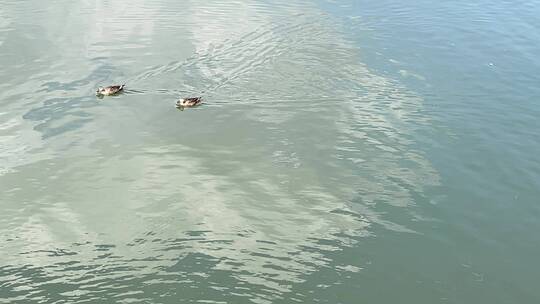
(218, 66)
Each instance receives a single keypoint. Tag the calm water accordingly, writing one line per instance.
(347, 152)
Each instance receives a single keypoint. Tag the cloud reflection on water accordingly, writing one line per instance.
(302, 144)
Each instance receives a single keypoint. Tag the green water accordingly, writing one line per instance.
(346, 152)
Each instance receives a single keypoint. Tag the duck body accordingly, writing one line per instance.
(110, 90)
(188, 102)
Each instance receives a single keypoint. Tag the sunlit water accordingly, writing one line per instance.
(346, 152)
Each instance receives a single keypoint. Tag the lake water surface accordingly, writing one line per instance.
(346, 152)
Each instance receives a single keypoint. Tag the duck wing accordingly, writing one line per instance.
(195, 100)
(116, 88)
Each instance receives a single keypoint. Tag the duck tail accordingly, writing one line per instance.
(122, 86)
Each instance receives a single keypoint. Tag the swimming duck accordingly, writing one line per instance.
(110, 90)
(188, 102)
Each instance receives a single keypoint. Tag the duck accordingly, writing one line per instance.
(188, 102)
(110, 90)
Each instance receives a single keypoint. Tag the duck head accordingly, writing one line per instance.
(181, 103)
